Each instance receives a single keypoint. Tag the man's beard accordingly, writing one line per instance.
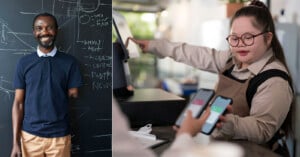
(46, 44)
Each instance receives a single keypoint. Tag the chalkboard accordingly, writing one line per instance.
(84, 32)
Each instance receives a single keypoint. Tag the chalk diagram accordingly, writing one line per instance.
(71, 16)
(8, 41)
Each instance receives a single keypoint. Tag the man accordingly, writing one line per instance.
(44, 81)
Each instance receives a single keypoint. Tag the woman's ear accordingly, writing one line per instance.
(269, 37)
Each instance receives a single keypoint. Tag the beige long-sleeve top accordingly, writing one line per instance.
(270, 104)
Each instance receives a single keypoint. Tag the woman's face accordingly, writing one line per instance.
(249, 54)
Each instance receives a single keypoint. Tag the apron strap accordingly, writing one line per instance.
(257, 80)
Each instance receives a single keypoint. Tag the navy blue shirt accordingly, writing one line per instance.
(46, 81)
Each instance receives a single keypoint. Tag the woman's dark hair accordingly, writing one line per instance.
(48, 15)
(264, 21)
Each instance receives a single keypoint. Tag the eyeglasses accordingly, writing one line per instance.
(247, 39)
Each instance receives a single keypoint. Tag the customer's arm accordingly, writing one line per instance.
(123, 145)
(184, 137)
(17, 118)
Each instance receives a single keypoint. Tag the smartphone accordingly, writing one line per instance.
(218, 107)
(197, 104)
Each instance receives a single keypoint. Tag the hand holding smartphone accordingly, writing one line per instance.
(197, 104)
(218, 107)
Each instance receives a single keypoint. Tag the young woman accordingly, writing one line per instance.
(259, 110)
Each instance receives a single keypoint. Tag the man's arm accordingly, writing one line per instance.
(73, 92)
(17, 118)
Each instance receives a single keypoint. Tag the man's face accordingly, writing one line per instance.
(44, 31)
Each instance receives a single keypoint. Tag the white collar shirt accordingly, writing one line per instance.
(50, 54)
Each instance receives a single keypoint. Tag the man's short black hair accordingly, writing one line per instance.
(45, 14)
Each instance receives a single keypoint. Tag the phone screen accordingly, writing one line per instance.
(197, 104)
(217, 108)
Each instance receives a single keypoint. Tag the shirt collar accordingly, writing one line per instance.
(50, 54)
(257, 66)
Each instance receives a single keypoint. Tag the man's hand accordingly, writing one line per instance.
(16, 151)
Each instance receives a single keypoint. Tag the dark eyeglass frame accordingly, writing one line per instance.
(242, 39)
